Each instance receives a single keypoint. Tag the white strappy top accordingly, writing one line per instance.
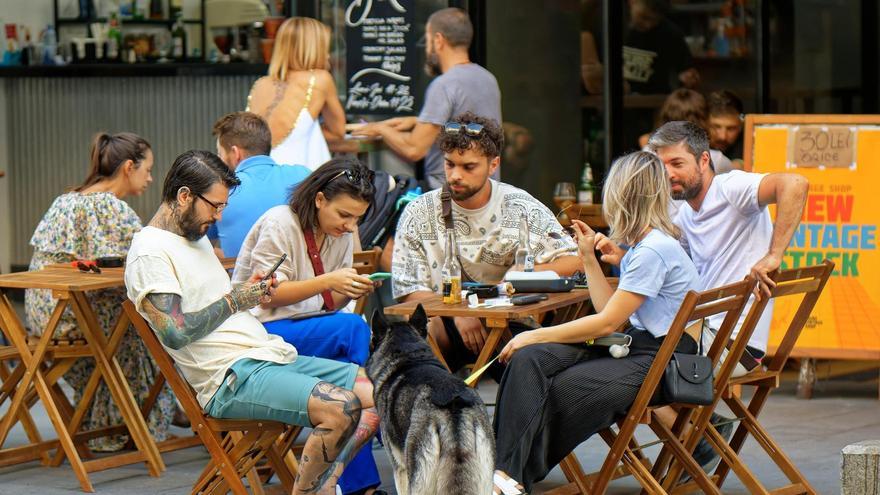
(304, 144)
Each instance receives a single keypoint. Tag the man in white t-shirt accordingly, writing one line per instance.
(727, 230)
(236, 368)
(725, 225)
(486, 215)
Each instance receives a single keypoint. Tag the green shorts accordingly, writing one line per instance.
(256, 389)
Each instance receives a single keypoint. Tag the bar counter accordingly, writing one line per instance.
(136, 70)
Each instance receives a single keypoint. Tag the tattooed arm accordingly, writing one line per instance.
(176, 329)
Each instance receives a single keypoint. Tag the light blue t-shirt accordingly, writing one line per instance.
(659, 269)
(264, 184)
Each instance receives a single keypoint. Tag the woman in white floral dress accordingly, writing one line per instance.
(89, 222)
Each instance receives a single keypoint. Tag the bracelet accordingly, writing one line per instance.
(233, 306)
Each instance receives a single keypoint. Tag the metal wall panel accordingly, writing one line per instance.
(51, 123)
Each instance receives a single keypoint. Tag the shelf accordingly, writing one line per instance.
(702, 7)
(194, 68)
(140, 22)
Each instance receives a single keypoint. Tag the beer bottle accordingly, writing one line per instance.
(451, 271)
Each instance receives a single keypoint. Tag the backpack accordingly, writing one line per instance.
(380, 221)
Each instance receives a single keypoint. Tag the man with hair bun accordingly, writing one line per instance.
(486, 214)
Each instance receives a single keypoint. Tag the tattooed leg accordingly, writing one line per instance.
(335, 413)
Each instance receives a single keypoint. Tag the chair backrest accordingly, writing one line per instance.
(809, 281)
(696, 305)
(182, 389)
(365, 263)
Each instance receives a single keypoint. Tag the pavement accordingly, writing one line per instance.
(812, 432)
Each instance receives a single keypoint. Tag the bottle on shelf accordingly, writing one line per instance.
(524, 260)
(585, 188)
(114, 37)
(49, 46)
(451, 271)
(175, 8)
(156, 9)
(178, 40)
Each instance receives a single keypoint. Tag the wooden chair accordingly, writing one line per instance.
(623, 448)
(365, 263)
(234, 455)
(809, 282)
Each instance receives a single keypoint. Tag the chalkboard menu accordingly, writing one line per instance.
(380, 62)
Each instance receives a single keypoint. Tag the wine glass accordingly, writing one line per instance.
(564, 196)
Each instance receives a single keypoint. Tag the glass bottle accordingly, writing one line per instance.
(451, 271)
(524, 260)
(585, 189)
(178, 40)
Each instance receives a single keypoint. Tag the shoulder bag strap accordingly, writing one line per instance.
(317, 265)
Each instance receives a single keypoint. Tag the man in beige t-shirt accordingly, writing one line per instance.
(237, 369)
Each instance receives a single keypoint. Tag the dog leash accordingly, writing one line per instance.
(469, 381)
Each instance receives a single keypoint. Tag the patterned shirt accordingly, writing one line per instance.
(487, 239)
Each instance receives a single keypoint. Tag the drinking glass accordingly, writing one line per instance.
(564, 195)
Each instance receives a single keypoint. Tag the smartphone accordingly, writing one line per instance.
(272, 270)
(520, 299)
(379, 276)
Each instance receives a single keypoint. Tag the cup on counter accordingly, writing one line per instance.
(271, 25)
(267, 46)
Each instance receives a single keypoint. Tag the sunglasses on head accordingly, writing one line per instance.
(354, 176)
(471, 129)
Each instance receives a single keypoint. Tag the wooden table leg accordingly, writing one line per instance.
(116, 382)
(34, 373)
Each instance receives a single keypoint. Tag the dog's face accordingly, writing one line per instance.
(415, 329)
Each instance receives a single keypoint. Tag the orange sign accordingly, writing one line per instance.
(838, 154)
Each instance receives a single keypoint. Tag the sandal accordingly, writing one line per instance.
(505, 485)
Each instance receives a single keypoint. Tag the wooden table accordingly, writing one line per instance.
(38, 372)
(360, 146)
(566, 305)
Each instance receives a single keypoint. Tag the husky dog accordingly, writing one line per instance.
(434, 427)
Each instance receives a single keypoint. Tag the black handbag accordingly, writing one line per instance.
(688, 378)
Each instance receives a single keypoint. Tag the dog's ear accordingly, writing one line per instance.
(379, 324)
(419, 321)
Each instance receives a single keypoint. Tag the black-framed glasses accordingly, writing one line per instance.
(471, 129)
(217, 207)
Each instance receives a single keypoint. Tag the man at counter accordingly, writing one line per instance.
(462, 86)
(243, 143)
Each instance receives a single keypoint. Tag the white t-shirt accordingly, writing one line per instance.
(162, 262)
(487, 239)
(727, 236)
(278, 231)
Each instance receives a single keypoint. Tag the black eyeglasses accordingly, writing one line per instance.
(471, 129)
(218, 207)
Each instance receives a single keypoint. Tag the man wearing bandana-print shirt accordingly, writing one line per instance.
(486, 215)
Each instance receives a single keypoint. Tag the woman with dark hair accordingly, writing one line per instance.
(89, 222)
(317, 278)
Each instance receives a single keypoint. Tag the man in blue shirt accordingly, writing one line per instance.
(243, 143)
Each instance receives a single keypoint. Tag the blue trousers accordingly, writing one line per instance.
(342, 337)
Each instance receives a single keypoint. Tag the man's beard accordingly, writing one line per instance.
(689, 190)
(432, 65)
(466, 194)
(190, 226)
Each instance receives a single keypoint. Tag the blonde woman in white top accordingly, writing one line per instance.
(298, 90)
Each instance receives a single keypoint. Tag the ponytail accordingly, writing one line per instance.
(109, 152)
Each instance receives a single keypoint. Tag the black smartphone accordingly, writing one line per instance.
(521, 299)
(272, 270)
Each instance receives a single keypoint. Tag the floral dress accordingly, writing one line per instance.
(89, 226)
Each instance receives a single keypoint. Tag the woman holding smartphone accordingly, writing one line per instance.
(557, 391)
(315, 231)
